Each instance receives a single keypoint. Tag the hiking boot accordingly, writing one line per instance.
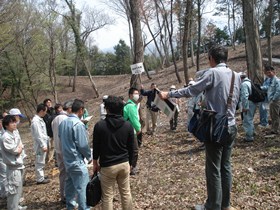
(45, 181)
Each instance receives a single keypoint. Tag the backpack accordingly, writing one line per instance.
(257, 95)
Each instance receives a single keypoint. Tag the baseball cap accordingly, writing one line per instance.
(15, 111)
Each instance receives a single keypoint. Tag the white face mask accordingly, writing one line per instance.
(135, 97)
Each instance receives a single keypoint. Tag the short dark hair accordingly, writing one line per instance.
(46, 100)
(132, 90)
(41, 107)
(114, 105)
(7, 120)
(219, 54)
(153, 84)
(268, 68)
(77, 105)
(56, 107)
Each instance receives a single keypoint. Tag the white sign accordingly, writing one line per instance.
(137, 68)
(163, 106)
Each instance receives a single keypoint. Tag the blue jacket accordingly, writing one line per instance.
(273, 92)
(74, 141)
(245, 91)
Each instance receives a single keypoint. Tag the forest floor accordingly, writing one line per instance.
(171, 164)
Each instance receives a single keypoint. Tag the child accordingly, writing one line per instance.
(12, 147)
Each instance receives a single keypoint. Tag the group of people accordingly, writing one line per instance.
(117, 137)
(271, 86)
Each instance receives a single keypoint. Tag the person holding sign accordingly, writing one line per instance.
(152, 109)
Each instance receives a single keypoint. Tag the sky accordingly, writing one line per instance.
(108, 37)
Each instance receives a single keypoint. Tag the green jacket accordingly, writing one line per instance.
(130, 113)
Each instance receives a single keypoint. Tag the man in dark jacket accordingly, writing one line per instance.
(152, 110)
(113, 143)
(48, 120)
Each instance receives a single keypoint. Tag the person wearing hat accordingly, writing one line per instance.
(57, 146)
(13, 157)
(174, 121)
(16, 112)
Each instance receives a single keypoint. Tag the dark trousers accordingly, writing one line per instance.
(218, 172)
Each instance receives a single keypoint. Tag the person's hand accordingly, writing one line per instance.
(45, 149)
(163, 95)
(142, 87)
(89, 161)
(96, 167)
(19, 148)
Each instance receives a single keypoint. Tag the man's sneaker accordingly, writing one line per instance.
(263, 126)
(199, 207)
(45, 181)
(271, 133)
(22, 207)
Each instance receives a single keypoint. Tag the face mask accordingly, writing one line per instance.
(135, 97)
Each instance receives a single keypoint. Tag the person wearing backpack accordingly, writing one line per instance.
(273, 95)
(248, 108)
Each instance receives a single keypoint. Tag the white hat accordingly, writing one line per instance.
(105, 97)
(16, 111)
(172, 87)
(191, 83)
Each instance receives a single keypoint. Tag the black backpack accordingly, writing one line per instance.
(257, 95)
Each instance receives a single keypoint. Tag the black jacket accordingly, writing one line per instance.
(151, 94)
(113, 141)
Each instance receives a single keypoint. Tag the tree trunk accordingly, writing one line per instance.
(268, 32)
(199, 17)
(74, 22)
(191, 40)
(186, 39)
(170, 33)
(138, 46)
(254, 57)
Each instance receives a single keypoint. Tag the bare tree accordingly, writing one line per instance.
(186, 36)
(170, 34)
(74, 20)
(254, 57)
(122, 8)
(138, 49)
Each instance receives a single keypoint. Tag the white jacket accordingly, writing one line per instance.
(39, 133)
(9, 143)
(55, 123)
